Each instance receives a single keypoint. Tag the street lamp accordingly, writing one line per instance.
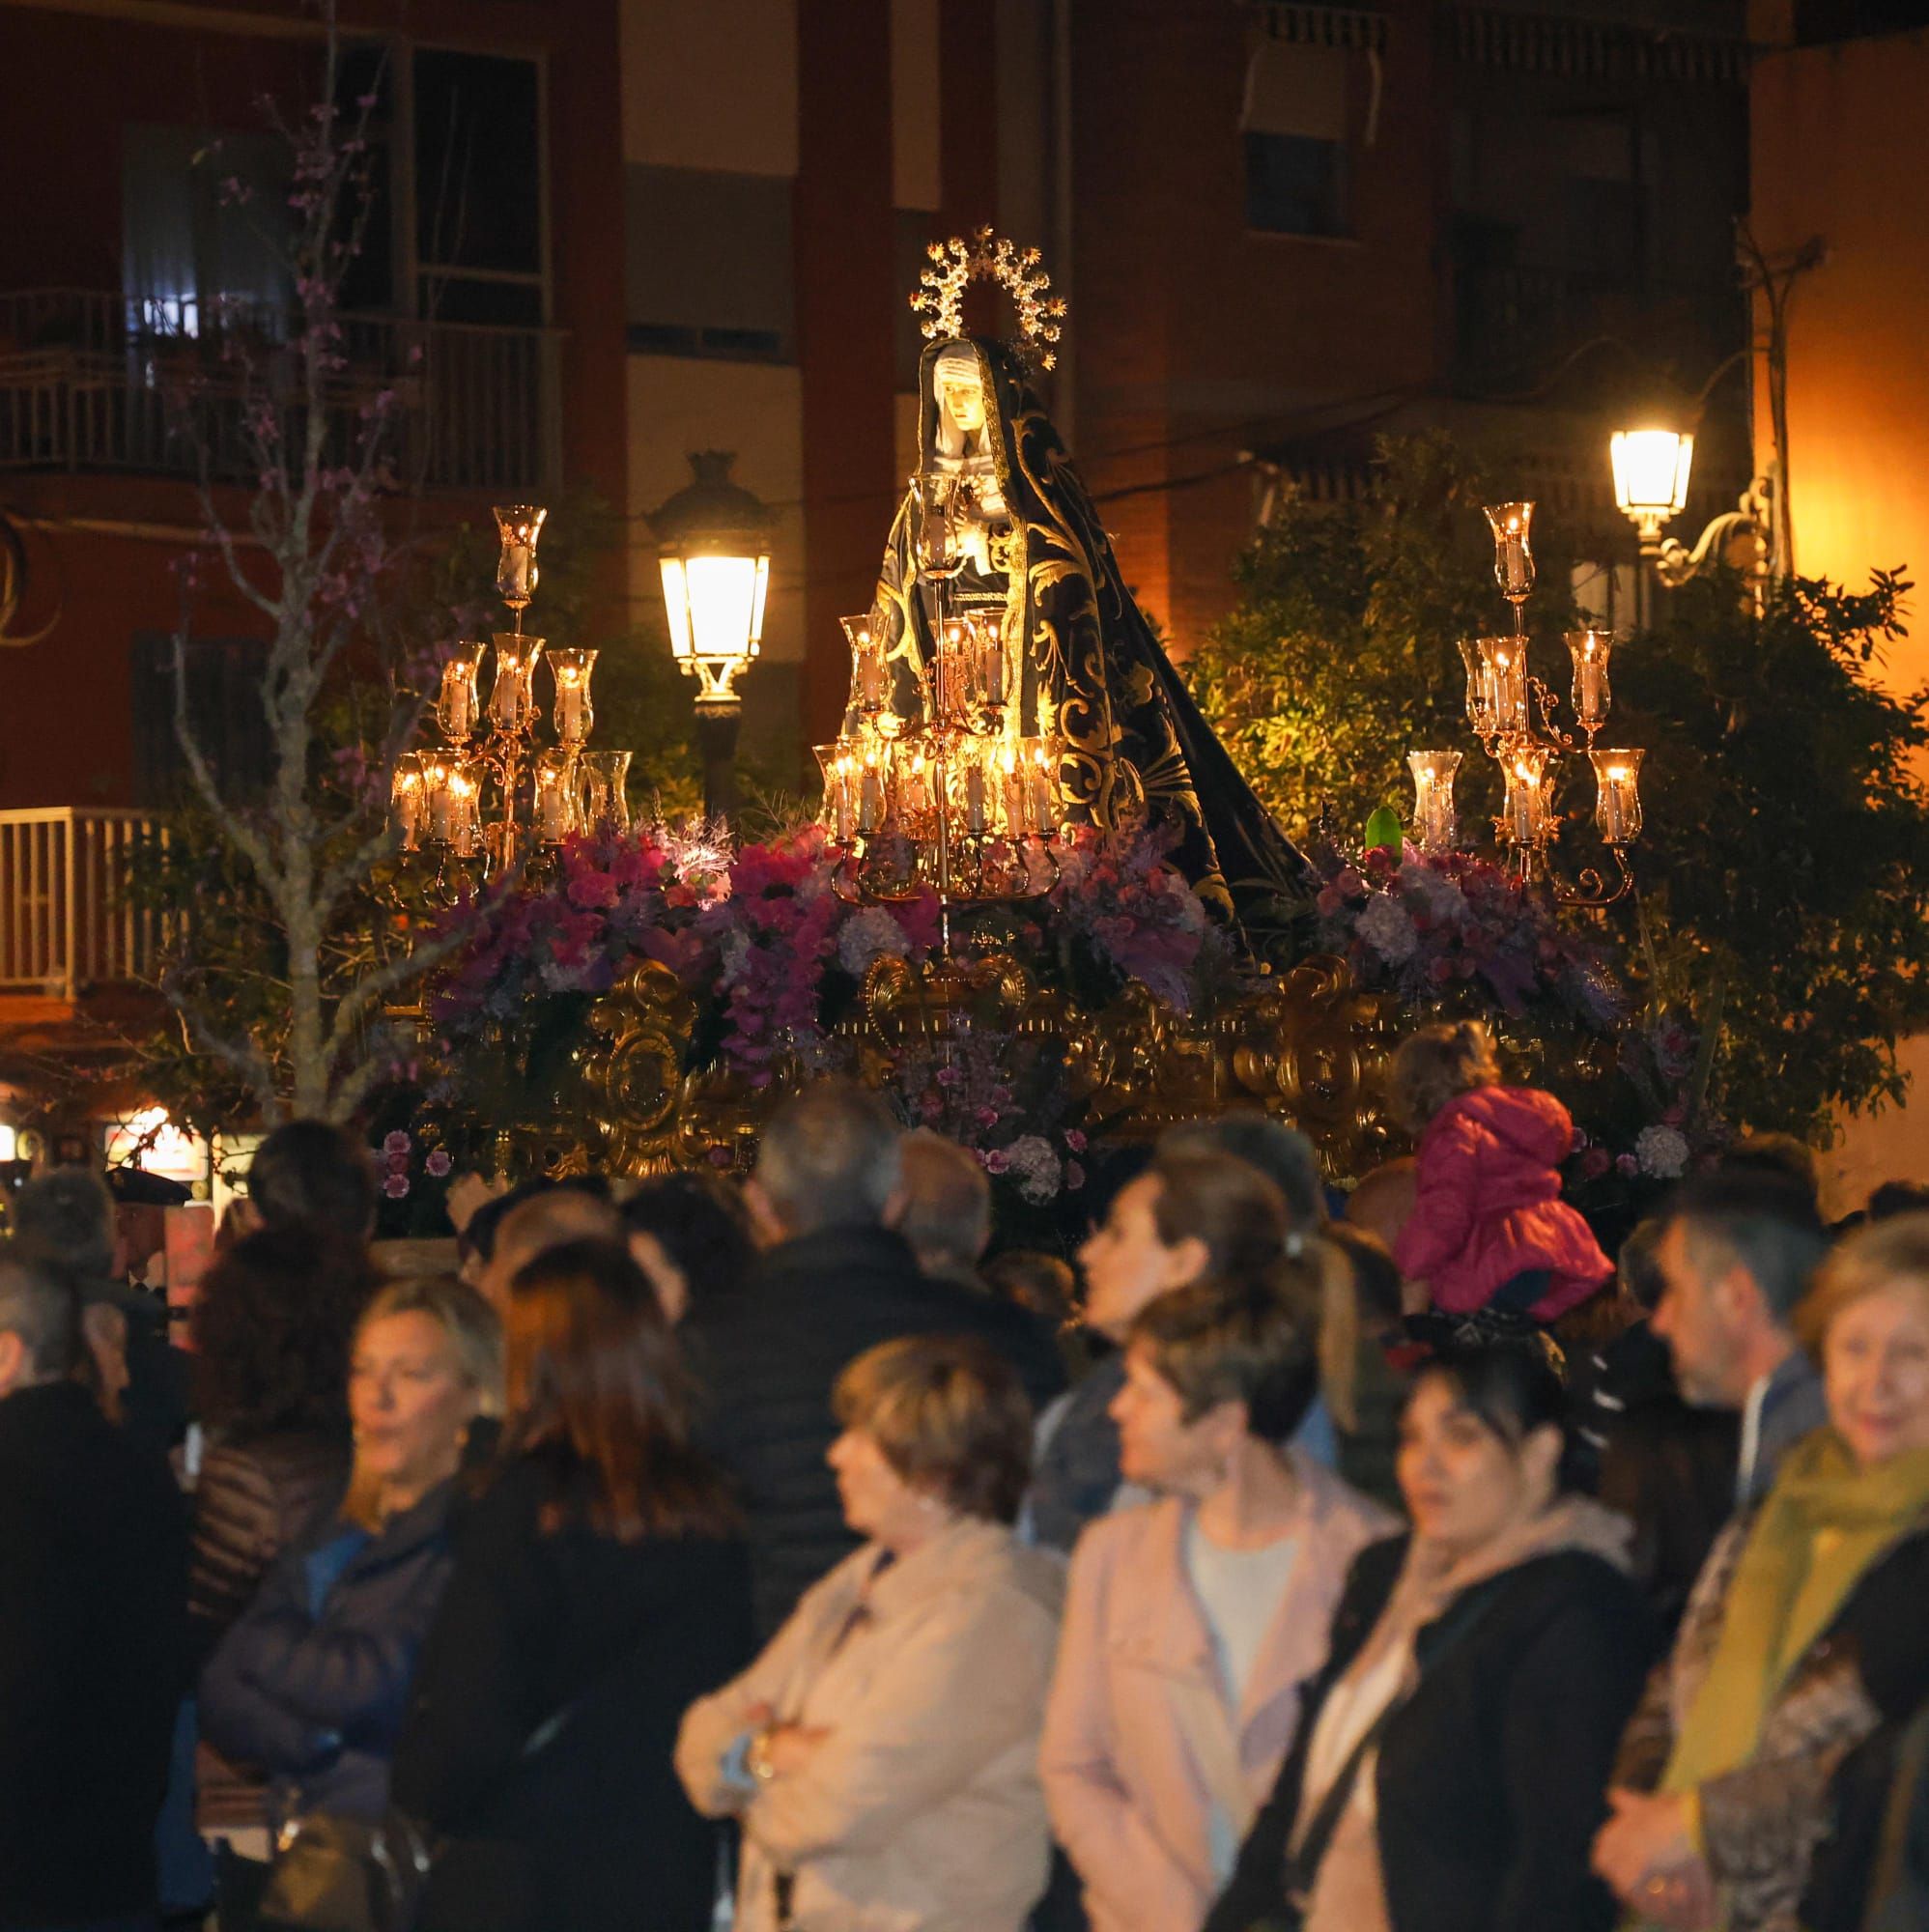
(714, 552)
(1650, 470)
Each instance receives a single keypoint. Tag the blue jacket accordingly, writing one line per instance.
(312, 1682)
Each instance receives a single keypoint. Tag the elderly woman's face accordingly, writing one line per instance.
(878, 1502)
(1875, 1363)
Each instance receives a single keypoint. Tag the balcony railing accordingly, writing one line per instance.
(67, 924)
(1516, 327)
(92, 381)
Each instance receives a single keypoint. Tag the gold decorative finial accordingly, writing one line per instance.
(956, 264)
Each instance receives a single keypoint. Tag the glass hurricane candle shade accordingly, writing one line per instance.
(1512, 524)
(1039, 768)
(869, 674)
(457, 704)
(409, 800)
(512, 696)
(1503, 688)
(1526, 814)
(519, 527)
(839, 763)
(554, 796)
(603, 791)
(874, 782)
(1617, 795)
(913, 780)
(575, 715)
(452, 788)
(938, 552)
(1593, 695)
(1433, 798)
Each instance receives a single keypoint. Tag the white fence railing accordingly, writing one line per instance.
(66, 922)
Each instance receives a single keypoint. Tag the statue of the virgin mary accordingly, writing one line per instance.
(997, 521)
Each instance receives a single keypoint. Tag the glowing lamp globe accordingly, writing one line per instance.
(1651, 471)
(714, 553)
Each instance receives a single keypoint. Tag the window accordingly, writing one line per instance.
(224, 708)
(185, 244)
(1295, 186)
(709, 264)
(1295, 126)
(478, 188)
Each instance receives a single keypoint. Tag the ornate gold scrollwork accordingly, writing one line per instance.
(1308, 1046)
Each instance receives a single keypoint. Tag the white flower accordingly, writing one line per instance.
(871, 934)
(1439, 896)
(734, 955)
(1035, 1163)
(1662, 1153)
(1384, 923)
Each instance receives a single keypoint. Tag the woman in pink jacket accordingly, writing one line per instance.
(1191, 1624)
(1488, 1227)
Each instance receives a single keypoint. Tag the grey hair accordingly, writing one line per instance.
(831, 1158)
(41, 1306)
(947, 1201)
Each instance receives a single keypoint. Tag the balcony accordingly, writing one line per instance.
(1516, 327)
(67, 927)
(87, 381)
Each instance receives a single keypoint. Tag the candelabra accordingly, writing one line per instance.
(954, 802)
(481, 798)
(1513, 714)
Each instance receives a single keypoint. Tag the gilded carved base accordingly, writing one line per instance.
(1308, 1046)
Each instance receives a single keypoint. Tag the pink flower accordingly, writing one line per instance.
(1075, 1139)
(1595, 1162)
(439, 1162)
(396, 1143)
(1627, 1166)
(395, 1187)
(1074, 1176)
(996, 1160)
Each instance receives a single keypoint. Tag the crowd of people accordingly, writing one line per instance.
(780, 1555)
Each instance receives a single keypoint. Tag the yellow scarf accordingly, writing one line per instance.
(1826, 1523)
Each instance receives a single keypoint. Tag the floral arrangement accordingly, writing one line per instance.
(1425, 927)
(764, 942)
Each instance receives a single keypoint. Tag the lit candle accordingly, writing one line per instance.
(1433, 797)
(1590, 651)
(1513, 559)
(575, 718)
(406, 797)
(436, 779)
(1617, 795)
(975, 806)
(456, 708)
(870, 799)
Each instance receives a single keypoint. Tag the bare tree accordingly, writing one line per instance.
(319, 562)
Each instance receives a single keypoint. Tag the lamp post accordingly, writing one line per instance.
(714, 551)
(1651, 467)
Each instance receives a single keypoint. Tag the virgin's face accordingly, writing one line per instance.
(964, 397)
(1875, 1363)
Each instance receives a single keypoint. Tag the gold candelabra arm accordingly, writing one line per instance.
(1592, 891)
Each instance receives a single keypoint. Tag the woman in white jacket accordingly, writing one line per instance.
(881, 1754)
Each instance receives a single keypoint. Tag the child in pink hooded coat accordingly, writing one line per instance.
(1488, 1227)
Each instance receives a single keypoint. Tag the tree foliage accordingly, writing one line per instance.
(1787, 834)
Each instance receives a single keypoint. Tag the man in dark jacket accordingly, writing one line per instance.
(836, 1279)
(93, 1595)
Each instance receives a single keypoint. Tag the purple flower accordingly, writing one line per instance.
(996, 1160)
(1627, 1166)
(1075, 1139)
(439, 1162)
(1074, 1177)
(395, 1187)
(396, 1143)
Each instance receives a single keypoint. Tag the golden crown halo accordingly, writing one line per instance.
(939, 296)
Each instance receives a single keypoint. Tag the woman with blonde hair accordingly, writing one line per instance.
(881, 1755)
(1802, 1642)
(1489, 1229)
(309, 1686)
